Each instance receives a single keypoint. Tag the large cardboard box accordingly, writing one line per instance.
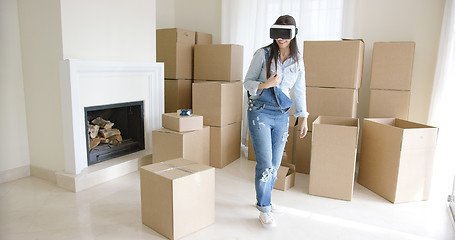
(389, 104)
(178, 123)
(331, 102)
(285, 176)
(333, 63)
(392, 65)
(177, 197)
(203, 38)
(333, 157)
(396, 159)
(219, 102)
(177, 95)
(302, 153)
(219, 62)
(174, 47)
(224, 144)
(193, 145)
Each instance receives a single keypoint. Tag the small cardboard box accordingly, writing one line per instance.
(331, 102)
(389, 104)
(177, 197)
(225, 144)
(333, 63)
(285, 177)
(203, 38)
(192, 145)
(396, 159)
(302, 153)
(218, 62)
(177, 95)
(175, 122)
(219, 102)
(174, 47)
(392, 65)
(333, 157)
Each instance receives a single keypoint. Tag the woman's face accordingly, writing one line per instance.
(283, 43)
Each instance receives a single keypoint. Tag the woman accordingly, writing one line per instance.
(274, 70)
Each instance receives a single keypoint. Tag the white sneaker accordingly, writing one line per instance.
(267, 219)
(276, 209)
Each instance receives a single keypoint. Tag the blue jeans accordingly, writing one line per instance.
(268, 127)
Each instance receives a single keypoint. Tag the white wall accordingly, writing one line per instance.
(404, 20)
(14, 151)
(41, 44)
(106, 30)
(165, 14)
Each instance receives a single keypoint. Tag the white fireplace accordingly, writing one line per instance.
(92, 83)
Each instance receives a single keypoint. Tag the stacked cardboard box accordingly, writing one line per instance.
(181, 137)
(177, 197)
(333, 157)
(217, 95)
(396, 160)
(174, 47)
(333, 73)
(391, 75)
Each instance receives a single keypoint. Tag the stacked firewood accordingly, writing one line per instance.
(101, 131)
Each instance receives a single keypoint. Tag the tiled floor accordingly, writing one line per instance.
(31, 208)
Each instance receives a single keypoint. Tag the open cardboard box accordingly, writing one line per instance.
(285, 176)
(333, 157)
(396, 159)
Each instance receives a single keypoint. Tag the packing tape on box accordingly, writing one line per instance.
(172, 167)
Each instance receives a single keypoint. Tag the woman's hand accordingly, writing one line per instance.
(273, 81)
(303, 126)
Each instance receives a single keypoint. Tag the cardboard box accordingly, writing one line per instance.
(333, 63)
(193, 145)
(218, 62)
(225, 144)
(389, 104)
(331, 102)
(203, 38)
(177, 95)
(396, 160)
(392, 65)
(302, 153)
(285, 177)
(219, 102)
(333, 157)
(177, 197)
(175, 122)
(174, 47)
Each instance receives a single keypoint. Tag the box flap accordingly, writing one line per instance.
(282, 172)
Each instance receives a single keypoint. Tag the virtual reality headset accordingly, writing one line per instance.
(284, 32)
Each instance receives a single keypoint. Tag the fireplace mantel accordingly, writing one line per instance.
(136, 75)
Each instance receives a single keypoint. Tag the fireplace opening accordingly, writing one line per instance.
(114, 130)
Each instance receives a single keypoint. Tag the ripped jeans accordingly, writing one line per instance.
(268, 127)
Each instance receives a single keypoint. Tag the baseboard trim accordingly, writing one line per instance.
(103, 172)
(14, 174)
(45, 174)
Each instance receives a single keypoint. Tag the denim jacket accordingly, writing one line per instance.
(292, 75)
